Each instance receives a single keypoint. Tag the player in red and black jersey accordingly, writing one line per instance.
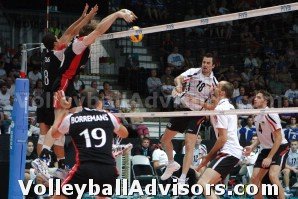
(52, 61)
(92, 131)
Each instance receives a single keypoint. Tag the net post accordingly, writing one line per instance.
(18, 138)
(23, 71)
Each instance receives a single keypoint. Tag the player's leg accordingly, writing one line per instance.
(167, 144)
(59, 151)
(209, 176)
(43, 132)
(256, 178)
(190, 142)
(274, 172)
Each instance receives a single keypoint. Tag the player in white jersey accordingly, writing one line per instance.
(226, 151)
(291, 164)
(274, 145)
(199, 84)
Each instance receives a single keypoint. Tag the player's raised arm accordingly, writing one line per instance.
(106, 23)
(74, 29)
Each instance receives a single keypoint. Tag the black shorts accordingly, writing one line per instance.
(45, 111)
(223, 164)
(185, 124)
(100, 173)
(279, 158)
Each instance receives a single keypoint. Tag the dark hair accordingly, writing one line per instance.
(228, 88)
(104, 83)
(145, 138)
(266, 96)
(49, 40)
(87, 29)
(209, 55)
(90, 98)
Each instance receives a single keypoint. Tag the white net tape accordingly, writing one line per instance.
(205, 21)
(206, 113)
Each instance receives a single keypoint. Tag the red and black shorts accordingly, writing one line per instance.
(223, 164)
(279, 158)
(100, 173)
(186, 124)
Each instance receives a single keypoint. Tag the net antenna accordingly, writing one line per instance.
(25, 50)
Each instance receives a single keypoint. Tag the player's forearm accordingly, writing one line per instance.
(178, 81)
(255, 144)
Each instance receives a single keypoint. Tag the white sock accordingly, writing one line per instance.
(183, 176)
(46, 147)
(287, 189)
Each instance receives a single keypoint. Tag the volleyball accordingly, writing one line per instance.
(136, 38)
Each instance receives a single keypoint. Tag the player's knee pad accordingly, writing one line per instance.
(60, 141)
(41, 139)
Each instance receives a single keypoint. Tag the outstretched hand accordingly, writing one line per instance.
(127, 15)
(85, 10)
(94, 10)
(60, 96)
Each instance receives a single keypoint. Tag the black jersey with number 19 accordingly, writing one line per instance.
(92, 133)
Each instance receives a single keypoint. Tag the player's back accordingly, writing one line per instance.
(92, 134)
(49, 70)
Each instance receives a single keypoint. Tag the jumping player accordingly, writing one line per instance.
(45, 113)
(274, 146)
(200, 83)
(92, 132)
(227, 143)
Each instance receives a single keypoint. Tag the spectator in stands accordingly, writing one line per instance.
(236, 89)
(167, 87)
(34, 76)
(188, 61)
(250, 61)
(154, 83)
(144, 149)
(285, 77)
(232, 74)
(2, 70)
(246, 76)
(38, 88)
(286, 117)
(251, 90)
(4, 95)
(78, 84)
(276, 87)
(30, 156)
(258, 78)
(244, 104)
(292, 93)
(238, 99)
(10, 85)
(246, 38)
(94, 85)
(258, 36)
(193, 31)
(176, 61)
(35, 59)
(293, 123)
(246, 133)
(167, 47)
(107, 94)
(291, 53)
(137, 122)
(291, 165)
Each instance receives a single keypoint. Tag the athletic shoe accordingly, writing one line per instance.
(171, 168)
(180, 183)
(41, 168)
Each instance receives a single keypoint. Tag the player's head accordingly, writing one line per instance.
(49, 41)
(262, 99)
(225, 89)
(294, 145)
(207, 64)
(87, 29)
(90, 99)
